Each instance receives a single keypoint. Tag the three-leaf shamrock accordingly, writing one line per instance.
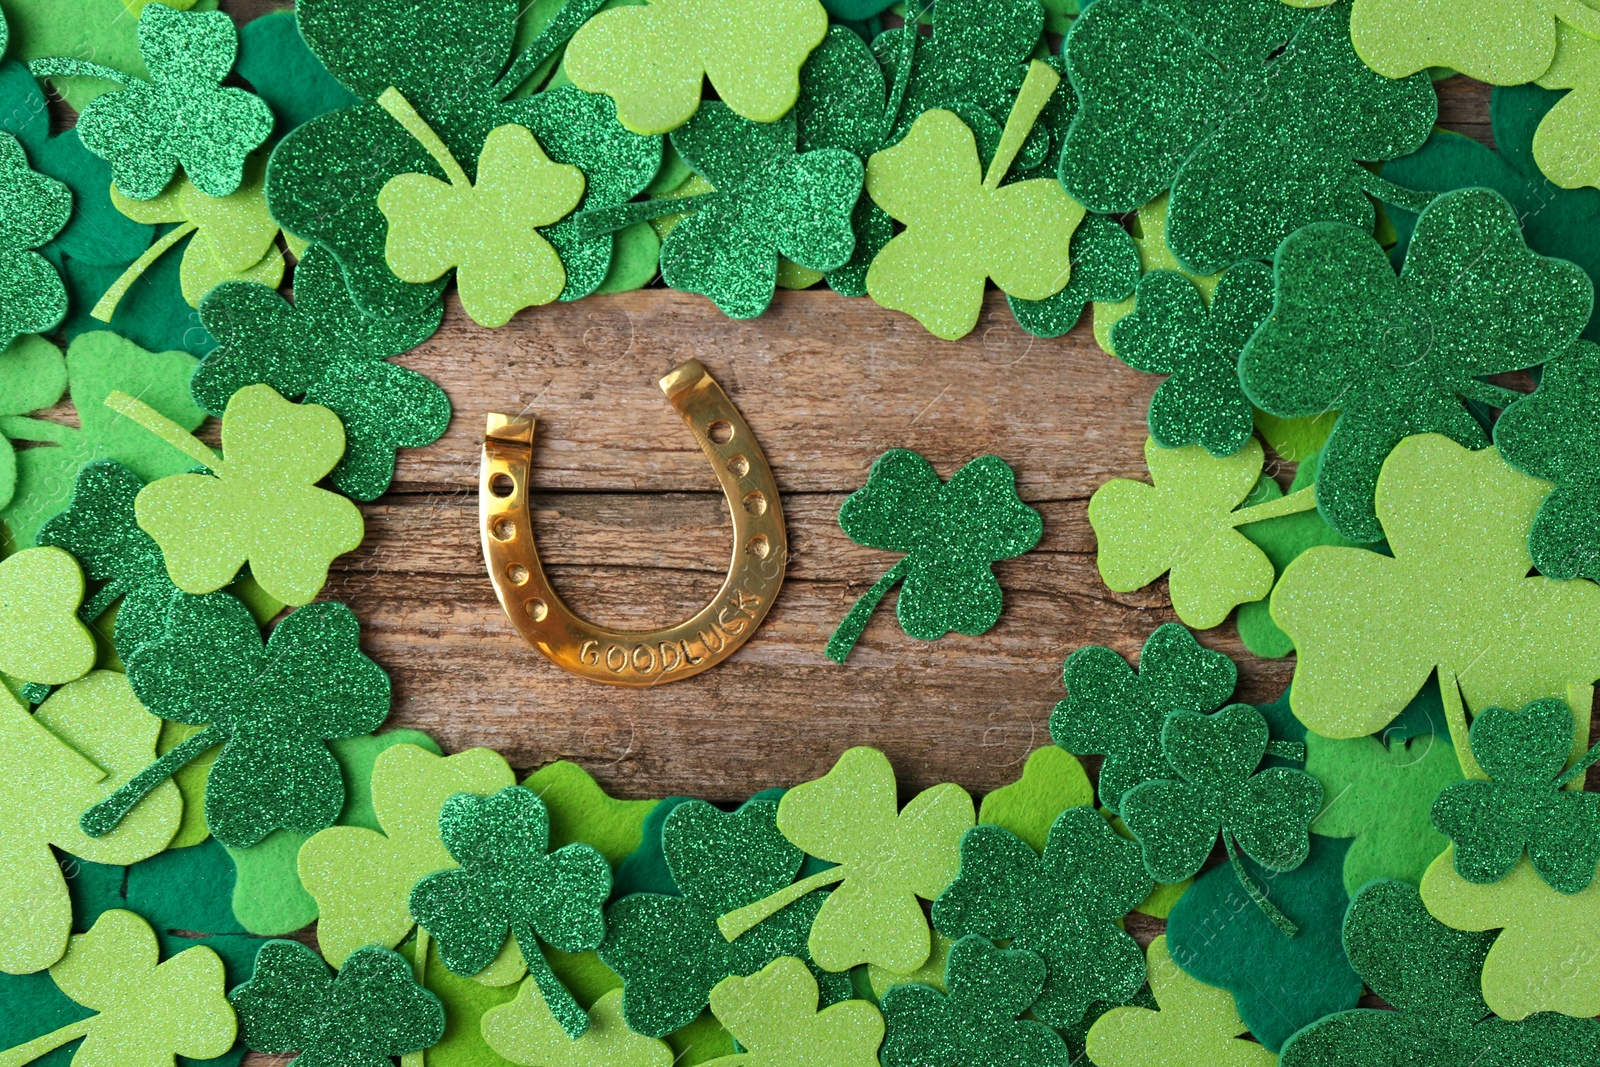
(324, 349)
(1062, 905)
(1254, 114)
(885, 857)
(1523, 807)
(952, 534)
(35, 208)
(259, 505)
(371, 1011)
(1393, 354)
(1430, 974)
(269, 704)
(652, 58)
(773, 1013)
(41, 639)
(526, 1031)
(181, 116)
(147, 1011)
(1172, 331)
(976, 1020)
(509, 882)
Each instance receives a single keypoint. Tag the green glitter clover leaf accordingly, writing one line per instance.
(1430, 973)
(181, 116)
(1149, 233)
(885, 857)
(669, 950)
(773, 1013)
(962, 226)
(372, 1011)
(526, 1031)
(1455, 598)
(33, 209)
(1551, 434)
(509, 881)
(147, 1011)
(952, 534)
(323, 349)
(1105, 268)
(1524, 805)
(1187, 524)
(33, 376)
(1253, 113)
(1266, 815)
(1062, 905)
(270, 705)
(87, 739)
(41, 639)
(1114, 712)
(1394, 354)
(1172, 331)
(488, 232)
(1498, 43)
(259, 505)
(976, 1021)
(452, 60)
(652, 58)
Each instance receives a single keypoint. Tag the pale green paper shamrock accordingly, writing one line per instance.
(526, 1031)
(260, 505)
(773, 1013)
(886, 858)
(41, 639)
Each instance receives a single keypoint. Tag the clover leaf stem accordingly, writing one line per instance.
(1297, 501)
(1383, 189)
(604, 220)
(1455, 714)
(1284, 924)
(23, 428)
(148, 417)
(1031, 99)
(855, 620)
(560, 30)
(400, 109)
(66, 67)
(736, 923)
(104, 816)
(573, 1019)
(1587, 760)
(29, 1051)
(107, 305)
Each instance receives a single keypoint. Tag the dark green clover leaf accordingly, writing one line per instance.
(1171, 331)
(668, 949)
(1063, 906)
(1105, 266)
(509, 882)
(1393, 354)
(274, 59)
(270, 705)
(452, 59)
(33, 209)
(1254, 113)
(371, 1012)
(1523, 807)
(1113, 712)
(975, 1021)
(181, 116)
(1553, 434)
(324, 349)
(952, 534)
(1431, 974)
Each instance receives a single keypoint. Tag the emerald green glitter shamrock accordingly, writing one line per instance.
(372, 1011)
(509, 881)
(1394, 354)
(668, 949)
(33, 209)
(1552, 434)
(1062, 905)
(1524, 805)
(181, 116)
(952, 534)
(1114, 712)
(1430, 973)
(270, 705)
(1105, 266)
(324, 349)
(1171, 331)
(1254, 113)
(976, 1020)
(452, 59)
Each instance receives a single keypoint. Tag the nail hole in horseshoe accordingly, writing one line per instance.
(755, 503)
(738, 466)
(503, 530)
(536, 609)
(501, 485)
(720, 431)
(517, 573)
(758, 546)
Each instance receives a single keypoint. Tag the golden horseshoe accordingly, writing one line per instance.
(627, 657)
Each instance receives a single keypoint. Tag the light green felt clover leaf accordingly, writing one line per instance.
(1186, 523)
(1500, 43)
(1197, 1026)
(149, 1011)
(1369, 629)
(1381, 792)
(652, 58)
(1563, 145)
(260, 505)
(90, 737)
(1052, 781)
(886, 858)
(1547, 954)
(101, 29)
(34, 209)
(488, 233)
(580, 810)
(526, 1032)
(773, 1013)
(41, 639)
